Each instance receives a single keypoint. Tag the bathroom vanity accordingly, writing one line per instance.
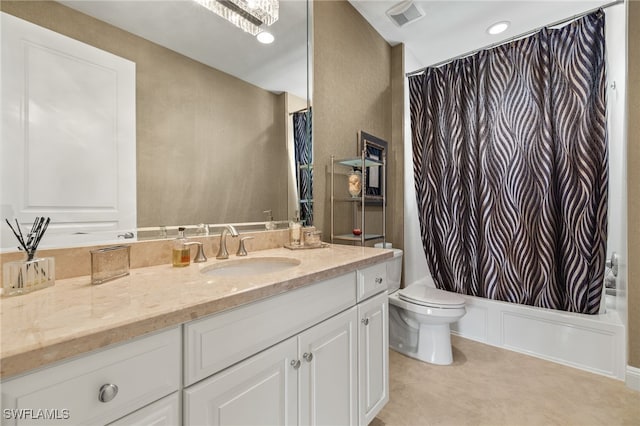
(305, 345)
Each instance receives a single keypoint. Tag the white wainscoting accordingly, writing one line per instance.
(594, 343)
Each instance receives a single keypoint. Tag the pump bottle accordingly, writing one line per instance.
(181, 252)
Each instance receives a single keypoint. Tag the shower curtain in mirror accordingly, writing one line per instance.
(304, 158)
(510, 166)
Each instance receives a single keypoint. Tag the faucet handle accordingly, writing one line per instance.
(241, 250)
(200, 257)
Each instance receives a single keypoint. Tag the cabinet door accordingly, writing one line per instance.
(165, 412)
(261, 390)
(69, 112)
(373, 357)
(328, 374)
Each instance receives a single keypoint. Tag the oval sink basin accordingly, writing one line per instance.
(250, 266)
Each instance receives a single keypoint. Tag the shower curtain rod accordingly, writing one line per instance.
(514, 38)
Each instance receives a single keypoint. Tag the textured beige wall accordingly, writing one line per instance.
(210, 148)
(352, 91)
(396, 187)
(633, 185)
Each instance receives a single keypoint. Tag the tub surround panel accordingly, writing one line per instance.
(590, 342)
(74, 317)
(553, 336)
(475, 325)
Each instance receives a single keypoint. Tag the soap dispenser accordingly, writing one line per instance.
(181, 253)
(270, 225)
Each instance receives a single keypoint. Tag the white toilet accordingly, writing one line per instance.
(419, 317)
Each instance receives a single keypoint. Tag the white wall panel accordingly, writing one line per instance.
(68, 134)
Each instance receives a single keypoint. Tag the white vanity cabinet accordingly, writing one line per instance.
(373, 357)
(331, 369)
(328, 355)
(371, 281)
(313, 355)
(308, 379)
(97, 388)
(260, 390)
(220, 340)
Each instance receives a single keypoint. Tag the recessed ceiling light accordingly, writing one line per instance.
(498, 27)
(265, 37)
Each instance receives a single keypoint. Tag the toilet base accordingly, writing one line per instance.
(420, 332)
(434, 345)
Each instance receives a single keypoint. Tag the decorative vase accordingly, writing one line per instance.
(355, 183)
(25, 276)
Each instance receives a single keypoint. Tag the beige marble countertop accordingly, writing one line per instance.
(74, 317)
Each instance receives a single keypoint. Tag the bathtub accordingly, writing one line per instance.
(595, 343)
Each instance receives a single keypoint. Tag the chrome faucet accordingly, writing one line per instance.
(222, 251)
(200, 256)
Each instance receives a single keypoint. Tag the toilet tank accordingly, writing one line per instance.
(394, 271)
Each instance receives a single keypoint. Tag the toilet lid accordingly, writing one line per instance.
(422, 295)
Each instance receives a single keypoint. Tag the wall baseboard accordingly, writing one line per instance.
(633, 378)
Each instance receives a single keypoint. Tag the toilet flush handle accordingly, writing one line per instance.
(365, 321)
(379, 280)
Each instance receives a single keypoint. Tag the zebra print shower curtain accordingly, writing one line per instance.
(510, 165)
(304, 156)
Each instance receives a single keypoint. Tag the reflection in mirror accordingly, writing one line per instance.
(213, 107)
(302, 166)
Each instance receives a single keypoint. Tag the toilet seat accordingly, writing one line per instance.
(422, 295)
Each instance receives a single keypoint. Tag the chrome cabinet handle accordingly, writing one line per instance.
(295, 363)
(365, 321)
(107, 392)
(379, 280)
(308, 357)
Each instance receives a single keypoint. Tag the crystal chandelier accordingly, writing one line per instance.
(247, 15)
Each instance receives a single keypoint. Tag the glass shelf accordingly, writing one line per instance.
(357, 162)
(359, 199)
(369, 167)
(357, 238)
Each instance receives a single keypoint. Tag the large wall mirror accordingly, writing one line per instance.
(223, 122)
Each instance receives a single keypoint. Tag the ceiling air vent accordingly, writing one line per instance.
(405, 13)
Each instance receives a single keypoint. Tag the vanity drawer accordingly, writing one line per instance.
(143, 370)
(218, 341)
(372, 280)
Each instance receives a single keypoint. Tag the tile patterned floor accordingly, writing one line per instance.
(492, 386)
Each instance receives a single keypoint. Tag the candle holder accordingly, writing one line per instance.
(25, 276)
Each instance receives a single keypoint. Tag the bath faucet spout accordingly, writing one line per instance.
(222, 251)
